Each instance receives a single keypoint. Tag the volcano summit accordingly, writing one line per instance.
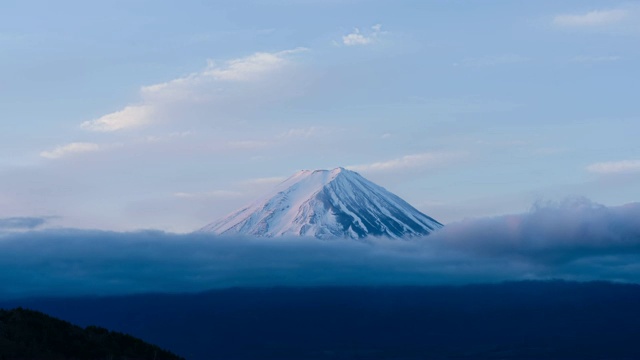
(326, 204)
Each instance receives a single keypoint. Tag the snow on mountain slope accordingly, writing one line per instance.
(325, 204)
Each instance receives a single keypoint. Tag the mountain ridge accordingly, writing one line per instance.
(326, 204)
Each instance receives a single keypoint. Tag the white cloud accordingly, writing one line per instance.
(72, 148)
(423, 160)
(130, 117)
(189, 89)
(358, 38)
(592, 18)
(615, 167)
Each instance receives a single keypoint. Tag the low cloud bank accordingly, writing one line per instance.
(574, 240)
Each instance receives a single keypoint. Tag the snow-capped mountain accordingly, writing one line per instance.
(325, 204)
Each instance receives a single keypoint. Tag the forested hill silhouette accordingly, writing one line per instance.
(27, 334)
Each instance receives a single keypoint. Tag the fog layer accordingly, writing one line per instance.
(573, 240)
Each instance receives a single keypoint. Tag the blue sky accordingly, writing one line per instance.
(124, 115)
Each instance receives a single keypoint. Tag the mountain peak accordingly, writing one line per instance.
(324, 204)
(332, 172)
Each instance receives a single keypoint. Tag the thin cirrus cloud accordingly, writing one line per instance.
(70, 149)
(615, 167)
(422, 160)
(356, 37)
(591, 18)
(187, 89)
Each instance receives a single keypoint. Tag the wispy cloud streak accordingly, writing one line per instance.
(72, 148)
(195, 87)
(615, 167)
(591, 18)
(422, 160)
